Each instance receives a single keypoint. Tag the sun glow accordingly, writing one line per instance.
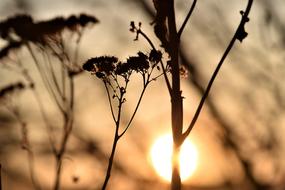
(160, 155)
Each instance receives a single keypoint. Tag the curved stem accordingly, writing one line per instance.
(32, 169)
(27, 76)
(68, 122)
(51, 70)
(0, 176)
(67, 128)
(186, 19)
(136, 109)
(45, 80)
(110, 102)
(161, 63)
(114, 146)
(215, 73)
(27, 146)
(110, 164)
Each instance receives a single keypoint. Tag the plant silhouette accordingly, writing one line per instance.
(116, 76)
(44, 41)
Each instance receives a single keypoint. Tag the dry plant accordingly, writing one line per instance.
(166, 30)
(46, 42)
(116, 76)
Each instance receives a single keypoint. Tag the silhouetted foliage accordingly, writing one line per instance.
(9, 89)
(46, 43)
(104, 66)
(22, 30)
(4, 52)
(41, 32)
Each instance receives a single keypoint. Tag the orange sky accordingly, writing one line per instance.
(111, 37)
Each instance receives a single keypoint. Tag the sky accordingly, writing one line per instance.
(244, 94)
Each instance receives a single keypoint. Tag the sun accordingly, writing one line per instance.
(160, 156)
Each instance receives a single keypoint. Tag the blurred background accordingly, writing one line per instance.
(238, 135)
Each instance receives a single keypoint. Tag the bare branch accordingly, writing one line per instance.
(187, 18)
(237, 36)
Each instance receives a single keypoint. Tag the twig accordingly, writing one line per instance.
(236, 36)
(110, 101)
(67, 128)
(26, 146)
(45, 80)
(0, 177)
(115, 141)
(161, 63)
(186, 19)
(136, 109)
(27, 76)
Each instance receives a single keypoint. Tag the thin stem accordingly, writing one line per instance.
(58, 172)
(110, 101)
(0, 176)
(186, 19)
(115, 77)
(215, 73)
(115, 141)
(32, 169)
(156, 77)
(27, 76)
(63, 78)
(71, 89)
(76, 51)
(45, 80)
(139, 31)
(51, 69)
(136, 109)
(162, 66)
(111, 159)
(49, 128)
(26, 146)
(68, 124)
(67, 129)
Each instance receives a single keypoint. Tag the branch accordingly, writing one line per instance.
(110, 102)
(45, 80)
(186, 19)
(240, 34)
(136, 109)
(161, 63)
(0, 177)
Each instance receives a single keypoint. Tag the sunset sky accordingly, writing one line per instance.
(248, 97)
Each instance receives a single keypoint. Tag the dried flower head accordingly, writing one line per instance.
(10, 47)
(18, 24)
(155, 56)
(122, 69)
(101, 66)
(26, 29)
(7, 90)
(85, 19)
(138, 63)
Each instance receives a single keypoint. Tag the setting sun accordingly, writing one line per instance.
(160, 155)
